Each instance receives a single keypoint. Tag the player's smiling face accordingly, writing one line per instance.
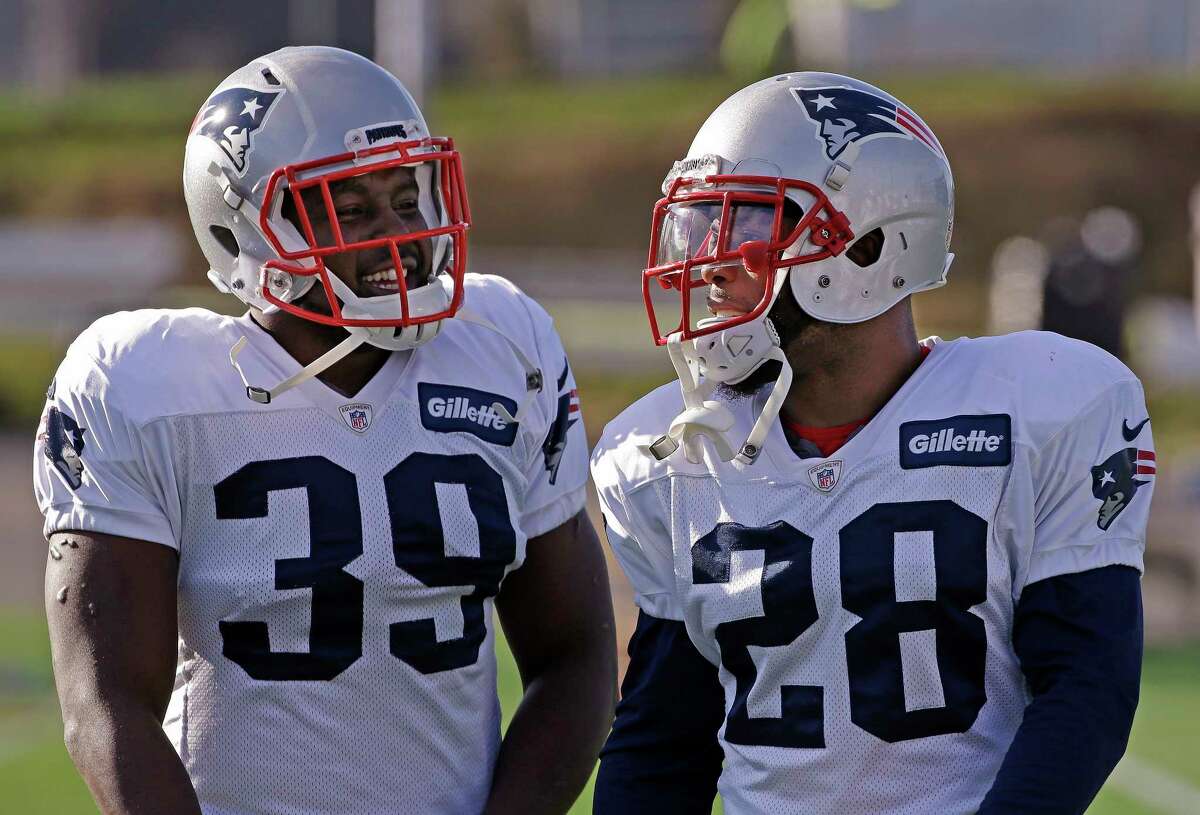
(373, 205)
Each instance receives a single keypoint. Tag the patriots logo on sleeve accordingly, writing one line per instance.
(61, 438)
(1114, 484)
(844, 116)
(568, 413)
(231, 117)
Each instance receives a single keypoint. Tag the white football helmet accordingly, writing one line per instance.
(785, 178)
(305, 118)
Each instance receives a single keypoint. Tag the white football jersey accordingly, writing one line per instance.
(337, 556)
(860, 606)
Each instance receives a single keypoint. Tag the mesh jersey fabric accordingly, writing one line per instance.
(338, 556)
(863, 632)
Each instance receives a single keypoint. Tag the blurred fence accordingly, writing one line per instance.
(58, 275)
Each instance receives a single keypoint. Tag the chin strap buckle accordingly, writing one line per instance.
(263, 396)
(712, 420)
(534, 380)
(257, 394)
(662, 447)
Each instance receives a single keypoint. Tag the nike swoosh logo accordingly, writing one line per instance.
(1131, 433)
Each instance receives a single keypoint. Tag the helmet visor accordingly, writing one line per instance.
(692, 230)
(702, 240)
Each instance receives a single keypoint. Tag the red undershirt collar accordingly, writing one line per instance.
(830, 439)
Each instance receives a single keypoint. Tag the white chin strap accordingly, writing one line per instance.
(533, 375)
(264, 395)
(707, 418)
(428, 299)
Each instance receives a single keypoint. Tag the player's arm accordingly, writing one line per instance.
(557, 616)
(1077, 624)
(110, 605)
(662, 756)
(1079, 639)
(555, 609)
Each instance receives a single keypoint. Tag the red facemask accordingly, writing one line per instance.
(751, 228)
(449, 199)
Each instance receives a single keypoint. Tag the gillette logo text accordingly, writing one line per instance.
(451, 409)
(460, 407)
(962, 441)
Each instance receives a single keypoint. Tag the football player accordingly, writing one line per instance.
(276, 540)
(874, 575)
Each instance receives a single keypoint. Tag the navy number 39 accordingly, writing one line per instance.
(335, 532)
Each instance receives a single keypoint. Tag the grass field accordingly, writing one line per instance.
(36, 777)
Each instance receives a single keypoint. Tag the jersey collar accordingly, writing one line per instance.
(270, 358)
(859, 445)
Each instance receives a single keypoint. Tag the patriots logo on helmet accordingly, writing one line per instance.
(1114, 484)
(231, 117)
(844, 116)
(556, 440)
(61, 438)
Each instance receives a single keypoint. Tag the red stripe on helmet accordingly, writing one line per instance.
(914, 126)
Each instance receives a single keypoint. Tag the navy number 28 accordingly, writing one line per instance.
(873, 650)
(335, 532)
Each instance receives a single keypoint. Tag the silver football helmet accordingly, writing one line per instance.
(816, 181)
(302, 119)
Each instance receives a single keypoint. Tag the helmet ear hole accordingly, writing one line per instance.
(226, 238)
(867, 249)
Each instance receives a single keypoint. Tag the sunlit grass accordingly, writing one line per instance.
(37, 777)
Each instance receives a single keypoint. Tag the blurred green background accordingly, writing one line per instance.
(563, 163)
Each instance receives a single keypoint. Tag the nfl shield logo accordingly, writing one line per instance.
(825, 475)
(357, 416)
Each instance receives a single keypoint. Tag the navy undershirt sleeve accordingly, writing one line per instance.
(1079, 640)
(662, 757)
